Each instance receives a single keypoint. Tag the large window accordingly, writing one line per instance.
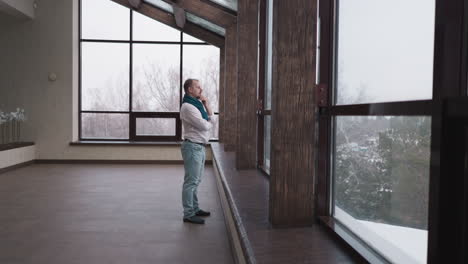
(265, 85)
(131, 73)
(377, 60)
(381, 58)
(381, 186)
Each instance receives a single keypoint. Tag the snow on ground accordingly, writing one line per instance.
(401, 245)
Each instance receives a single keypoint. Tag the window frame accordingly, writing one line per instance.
(131, 113)
(262, 110)
(449, 80)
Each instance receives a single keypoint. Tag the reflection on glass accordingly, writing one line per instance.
(231, 4)
(161, 5)
(202, 62)
(104, 76)
(215, 128)
(384, 50)
(267, 143)
(205, 24)
(115, 25)
(104, 126)
(156, 77)
(155, 126)
(269, 51)
(381, 182)
(188, 38)
(148, 29)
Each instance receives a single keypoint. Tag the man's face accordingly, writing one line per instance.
(196, 89)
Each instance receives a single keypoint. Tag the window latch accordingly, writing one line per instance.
(321, 95)
(259, 107)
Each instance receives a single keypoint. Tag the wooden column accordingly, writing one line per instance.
(293, 117)
(221, 95)
(247, 57)
(230, 101)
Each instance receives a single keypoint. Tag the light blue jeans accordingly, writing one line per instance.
(194, 164)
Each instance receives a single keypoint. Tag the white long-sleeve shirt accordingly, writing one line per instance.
(196, 129)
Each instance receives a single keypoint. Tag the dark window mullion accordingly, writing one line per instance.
(104, 112)
(196, 43)
(143, 42)
(104, 139)
(423, 107)
(105, 41)
(79, 70)
(181, 65)
(131, 129)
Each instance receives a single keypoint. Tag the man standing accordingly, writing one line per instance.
(197, 123)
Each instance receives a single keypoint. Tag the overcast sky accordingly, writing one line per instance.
(386, 47)
(106, 64)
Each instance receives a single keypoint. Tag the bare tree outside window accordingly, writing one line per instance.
(156, 72)
(156, 78)
(381, 163)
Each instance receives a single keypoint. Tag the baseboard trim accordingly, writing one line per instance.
(16, 166)
(240, 244)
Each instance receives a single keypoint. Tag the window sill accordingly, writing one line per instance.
(352, 240)
(125, 143)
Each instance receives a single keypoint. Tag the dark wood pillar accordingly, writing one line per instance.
(222, 86)
(247, 57)
(293, 116)
(448, 194)
(230, 101)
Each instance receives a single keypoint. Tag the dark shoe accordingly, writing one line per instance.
(202, 213)
(194, 220)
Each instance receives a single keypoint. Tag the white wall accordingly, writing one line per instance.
(16, 156)
(18, 8)
(29, 50)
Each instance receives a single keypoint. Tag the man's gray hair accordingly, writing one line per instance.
(188, 83)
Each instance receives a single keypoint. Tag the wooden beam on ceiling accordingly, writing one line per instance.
(206, 11)
(168, 19)
(179, 14)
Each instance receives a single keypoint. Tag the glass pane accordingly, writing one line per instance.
(205, 24)
(104, 19)
(148, 29)
(385, 50)
(161, 5)
(104, 76)
(188, 38)
(381, 182)
(267, 143)
(156, 77)
(105, 126)
(215, 128)
(201, 62)
(231, 4)
(269, 51)
(156, 126)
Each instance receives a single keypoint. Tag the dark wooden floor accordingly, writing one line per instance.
(102, 214)
(314, 244)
